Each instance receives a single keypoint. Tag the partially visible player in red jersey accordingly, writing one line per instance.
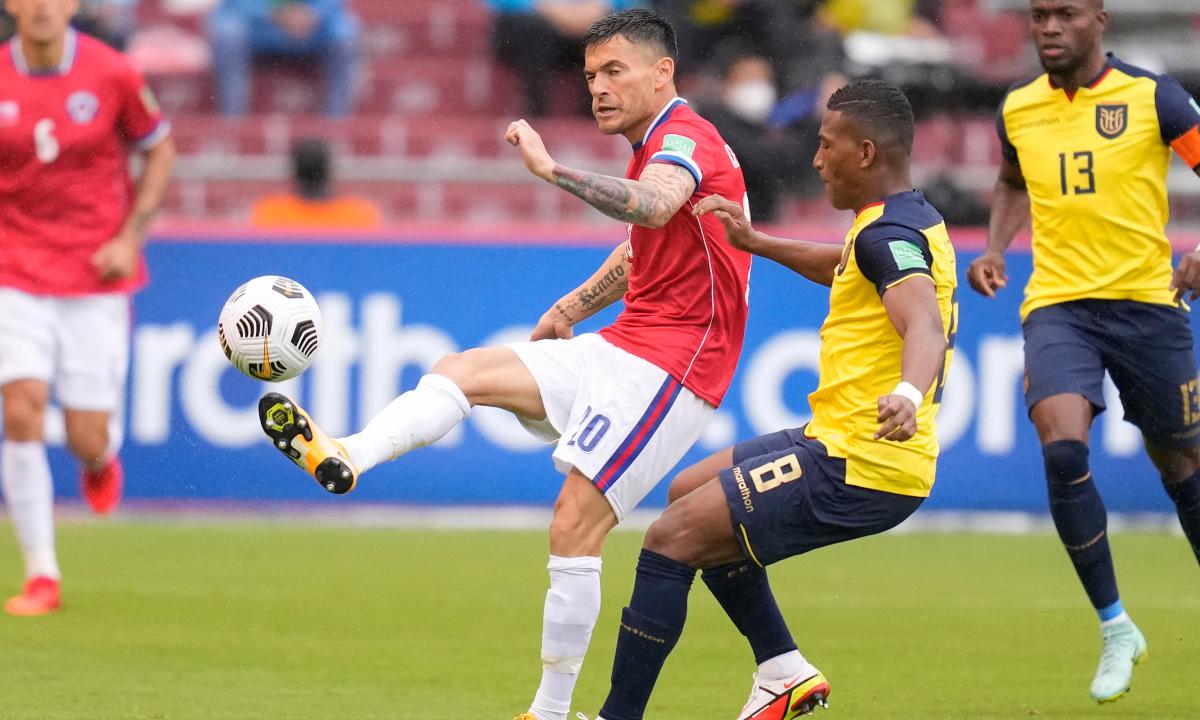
(625, 404)
(72, 225)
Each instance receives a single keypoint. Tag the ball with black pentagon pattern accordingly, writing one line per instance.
(270, 328)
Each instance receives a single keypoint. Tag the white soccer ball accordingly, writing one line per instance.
(270, 328)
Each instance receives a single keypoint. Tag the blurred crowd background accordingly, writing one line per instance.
(360, 113)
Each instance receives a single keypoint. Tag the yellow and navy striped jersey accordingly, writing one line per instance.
(1095, 163)
(902, 239)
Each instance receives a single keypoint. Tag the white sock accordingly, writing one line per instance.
(572, 606)
(1122, 618)
(29, 494)
(417, 418)
(782, 667)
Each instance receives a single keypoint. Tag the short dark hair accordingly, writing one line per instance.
(639, 26)
(310, 167)
(880, 109)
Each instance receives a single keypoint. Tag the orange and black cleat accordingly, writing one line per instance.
(295, 434)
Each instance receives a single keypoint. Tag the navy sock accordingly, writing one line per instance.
(744, 593)
(1081, 519)
(650, 627)
(1186, 495)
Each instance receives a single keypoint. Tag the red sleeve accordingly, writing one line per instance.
(685, 144)
(141, 120)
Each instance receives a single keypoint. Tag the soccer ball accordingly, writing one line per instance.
(270, 328)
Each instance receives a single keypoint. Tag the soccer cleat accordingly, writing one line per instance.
(1124, 647)
(786, 699)
(102, 488)
(295, 434)
(526, 716)
(40, 597)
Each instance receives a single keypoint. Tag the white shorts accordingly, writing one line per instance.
(80, 345)
(618, 419)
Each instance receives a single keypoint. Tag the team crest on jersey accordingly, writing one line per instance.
(10, 112)
(82, 106)
(1111, 120)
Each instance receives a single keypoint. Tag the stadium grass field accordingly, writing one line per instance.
(169, 621)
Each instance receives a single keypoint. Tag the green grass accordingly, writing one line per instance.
(178, 621)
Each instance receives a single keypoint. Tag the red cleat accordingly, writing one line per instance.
(102, 488)
(40, 597)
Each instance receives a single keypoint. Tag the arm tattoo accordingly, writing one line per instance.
(140, 221)
(566, 316)
(605, 291)
(652, 200)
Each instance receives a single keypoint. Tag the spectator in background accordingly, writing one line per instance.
(917, 18)
(241, 30)
(313, 204)
(772, 159)
(540, 38)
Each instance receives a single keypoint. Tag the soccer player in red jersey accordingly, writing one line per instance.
(72, 225)
(622, 405)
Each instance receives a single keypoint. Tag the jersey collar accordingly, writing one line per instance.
(660, 119)
(64, 65)
(1104, 71)
(894, 196)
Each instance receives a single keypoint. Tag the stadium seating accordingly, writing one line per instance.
(427, 140)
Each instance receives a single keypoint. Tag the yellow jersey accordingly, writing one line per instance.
(902, 239)
(1095, 163)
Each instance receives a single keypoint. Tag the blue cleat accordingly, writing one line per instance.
(1124, 647)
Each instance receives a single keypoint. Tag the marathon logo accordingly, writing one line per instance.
(743, 489)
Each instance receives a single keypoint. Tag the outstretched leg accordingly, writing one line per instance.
(442, 399)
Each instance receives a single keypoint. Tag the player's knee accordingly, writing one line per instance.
(460, 367)
(573, 533)
(24, 415)
(1176, 465)
(668, 534)
(1185, 493)
(1066, 462)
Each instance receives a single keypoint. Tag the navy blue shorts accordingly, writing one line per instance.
(787, 496)
(1147, 350)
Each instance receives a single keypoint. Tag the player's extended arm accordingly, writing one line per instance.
(118, 257)
(650, 201)
(1010, 214)
(913, 309)
(816, 261)
(603, 288)
(1186, 279)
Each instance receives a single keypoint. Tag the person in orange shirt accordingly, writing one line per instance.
(313, 204)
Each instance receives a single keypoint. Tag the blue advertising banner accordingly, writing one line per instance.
(391, 310)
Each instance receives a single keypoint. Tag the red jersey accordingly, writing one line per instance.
(65, 188)
(685, 310)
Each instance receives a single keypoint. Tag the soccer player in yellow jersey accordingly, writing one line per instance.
(867, 459)
(1086, 148)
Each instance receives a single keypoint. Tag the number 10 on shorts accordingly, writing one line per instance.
(594, 428)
